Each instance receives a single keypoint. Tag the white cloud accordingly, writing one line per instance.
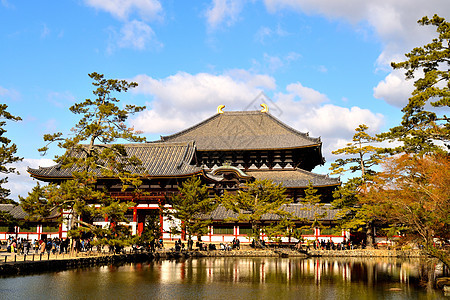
(307, 95)
(121, 9)
(61, 99)
(263, 33)
(45, 32)
(224, 11)
(302, 108)
(6, 4)
(272, 63)
(9, 93)
(266, 32)
(322, 69)
(183, 99)
(394, 89)
(394, 22)
(136, 35)
(22, 184)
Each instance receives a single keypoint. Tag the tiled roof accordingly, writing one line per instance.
(7, 207)
(158, 160)
(18, 213)
(243, 130)
(295, 178)
(299, 210)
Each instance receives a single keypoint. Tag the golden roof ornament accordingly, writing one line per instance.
(220, 109)
(265, 108)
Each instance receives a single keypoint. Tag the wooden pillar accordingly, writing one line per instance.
(140, 228)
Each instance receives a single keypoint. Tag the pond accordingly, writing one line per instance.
(235, 278)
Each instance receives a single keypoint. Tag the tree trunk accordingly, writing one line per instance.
(370, 239)
(256, 236)
(441, 254)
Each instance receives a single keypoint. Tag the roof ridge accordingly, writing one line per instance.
(242, 112)
(163, 138)
(306, 135)
(316, 174)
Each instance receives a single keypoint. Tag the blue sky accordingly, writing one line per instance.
(324, 64)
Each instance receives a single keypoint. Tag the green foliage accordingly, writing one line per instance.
(7, 220)
(313, 202)
(151, 232)
(102, 123)
(363, 156)
(357, 150)
(311, 196)
(352, 214)
(7, 153)
(276, 230)
(257, 199)
(191, 206)
(116, 235)
(423, 123)
(89, 152)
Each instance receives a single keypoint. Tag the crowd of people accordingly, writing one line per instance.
(62, 245)
(24, 246)
(55, 245)
(330, 245)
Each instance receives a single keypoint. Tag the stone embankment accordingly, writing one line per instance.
(248, 253)
(21, 267)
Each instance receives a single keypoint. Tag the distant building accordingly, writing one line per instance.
(22, 228)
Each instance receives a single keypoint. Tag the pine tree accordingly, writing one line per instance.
(8, 151)
(363, 156)
(357, 150)
(424, 126)
(313, 202)
(255, 200)
(91, 150)
(191, 206)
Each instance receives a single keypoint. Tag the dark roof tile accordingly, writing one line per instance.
(295, 178)
(158, 160)
(243, 130)
(299, 210)
(17, 212)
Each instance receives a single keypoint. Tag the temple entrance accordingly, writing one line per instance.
(148, 219)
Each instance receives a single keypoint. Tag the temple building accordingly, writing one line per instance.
(225, 151)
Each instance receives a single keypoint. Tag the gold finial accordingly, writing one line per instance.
(220, 109)
(265, 108)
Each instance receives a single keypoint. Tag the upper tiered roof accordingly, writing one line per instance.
(243, 130)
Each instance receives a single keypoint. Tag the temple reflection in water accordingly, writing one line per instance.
(286, 270)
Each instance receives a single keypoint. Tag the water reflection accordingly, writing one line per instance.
(239, 278)
(293, 270)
